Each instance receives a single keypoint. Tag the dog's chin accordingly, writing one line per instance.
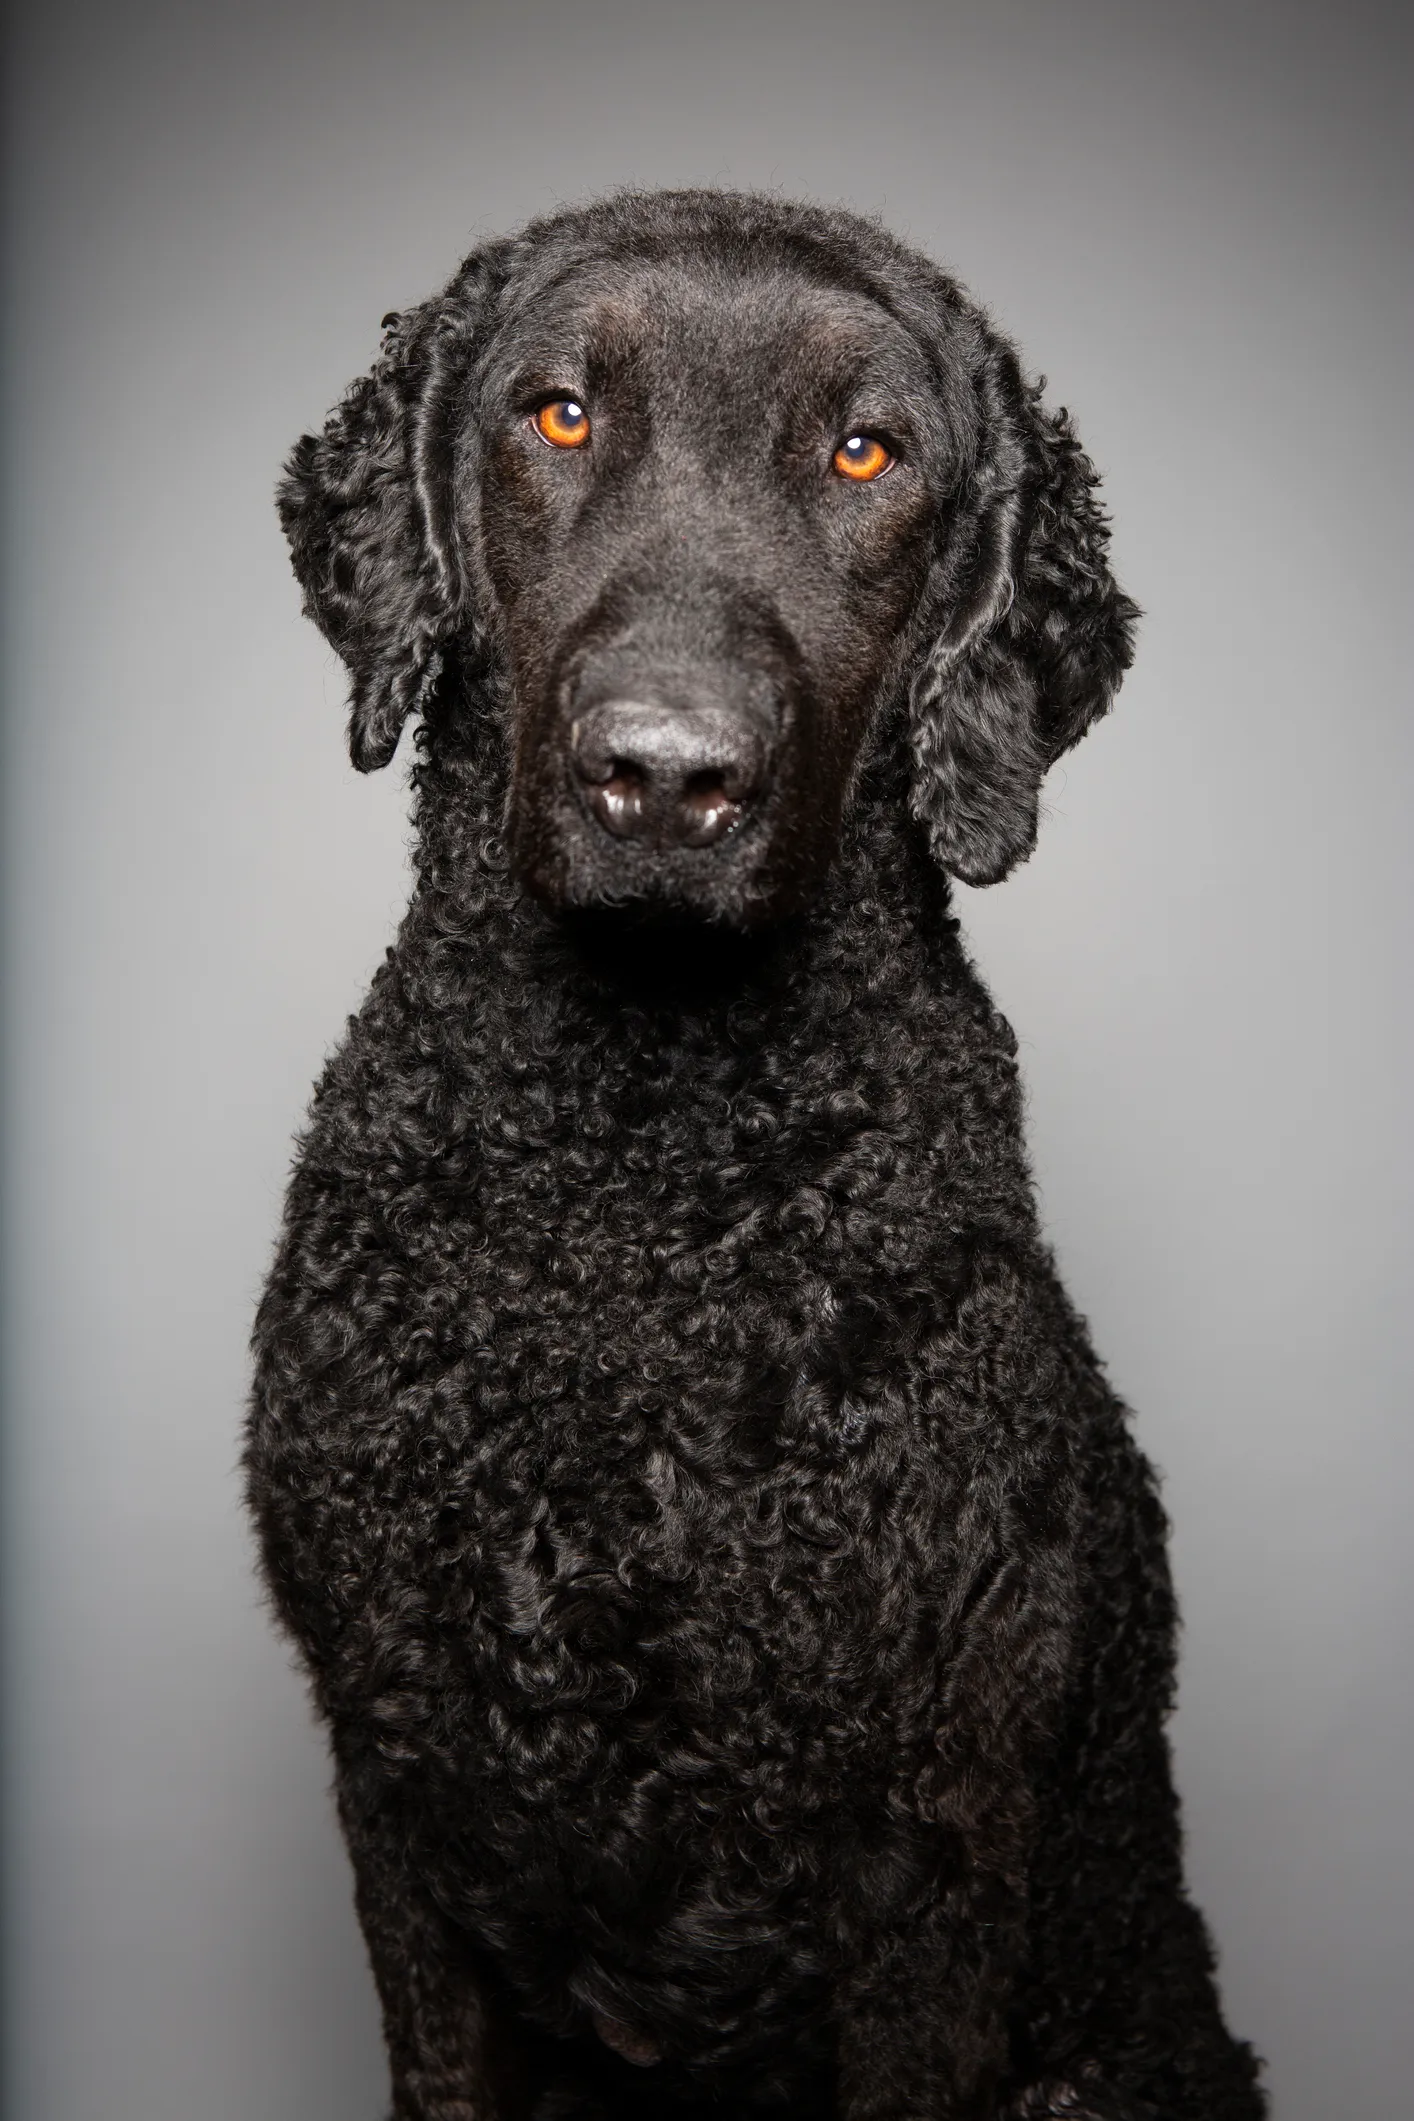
(577, 869)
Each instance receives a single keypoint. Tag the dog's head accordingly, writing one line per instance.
(707, 478)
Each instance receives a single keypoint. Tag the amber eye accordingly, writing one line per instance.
(563, 422)
(862, 457)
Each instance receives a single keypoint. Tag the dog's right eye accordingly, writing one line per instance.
(563, 422)
(862, 458)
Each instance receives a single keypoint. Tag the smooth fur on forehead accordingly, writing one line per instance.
(749, 232)
(751, 229)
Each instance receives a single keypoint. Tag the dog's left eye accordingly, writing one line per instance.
(564, 422)
(862, 457)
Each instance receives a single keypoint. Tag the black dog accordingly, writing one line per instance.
(738, 1606)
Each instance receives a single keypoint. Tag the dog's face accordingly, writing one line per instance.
(708, 500)
(710, 478)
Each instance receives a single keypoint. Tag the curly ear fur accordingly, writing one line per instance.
(366, 508)
(1037, 634)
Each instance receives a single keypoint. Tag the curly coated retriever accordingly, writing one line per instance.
(737, 1603)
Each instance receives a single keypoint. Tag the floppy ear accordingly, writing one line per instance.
(366, 506)
(1034, 634)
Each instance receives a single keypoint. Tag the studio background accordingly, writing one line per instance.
(1191, 219)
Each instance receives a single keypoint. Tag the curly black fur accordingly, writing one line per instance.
(737, 1603)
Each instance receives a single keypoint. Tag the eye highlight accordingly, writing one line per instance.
(862, 457)
(564, 423)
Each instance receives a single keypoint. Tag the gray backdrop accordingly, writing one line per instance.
(1189, 216)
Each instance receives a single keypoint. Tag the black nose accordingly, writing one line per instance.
(678, 777)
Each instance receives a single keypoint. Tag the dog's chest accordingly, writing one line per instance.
(625, 1476)
(670, 1688)
(635, 1489)
(617, 1604)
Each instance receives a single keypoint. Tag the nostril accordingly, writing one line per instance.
(707, 810)
(618, 796)
(622, 798)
